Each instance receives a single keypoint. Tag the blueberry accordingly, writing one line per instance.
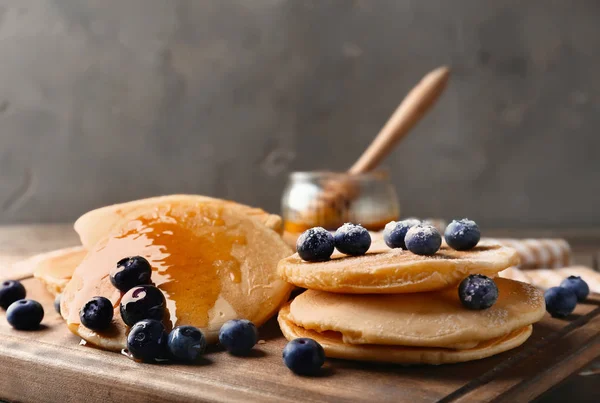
(560, 302)
(578, 286)
(147, 340)
(395, 232)
(97, 313)
(462, 234)
(186, 343)
(57, 303)
(304, 356)
(238, 336)
(130, 272)
(25, 314)
(142, 302)
(478, 292)
(423, 239)
(352, 239)
(11, 291)
(315, 245)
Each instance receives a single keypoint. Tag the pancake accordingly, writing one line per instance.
(54, 269)
(95, 224)
(212, 261)
(391, 271)
(434, 319)
(335, 347)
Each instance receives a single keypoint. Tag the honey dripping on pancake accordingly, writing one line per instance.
(190, 253)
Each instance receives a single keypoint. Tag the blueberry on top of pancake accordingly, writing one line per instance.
(352, 239)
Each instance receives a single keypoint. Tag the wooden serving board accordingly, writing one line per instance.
(50, 365)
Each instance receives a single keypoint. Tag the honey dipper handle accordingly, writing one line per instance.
(409, 112)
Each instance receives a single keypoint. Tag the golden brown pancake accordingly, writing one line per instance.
(391, 271)
(95, 224)
(54, 269)
(433, 319)
(335, 347)
(213, 261)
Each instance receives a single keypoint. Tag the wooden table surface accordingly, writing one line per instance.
(50, 365)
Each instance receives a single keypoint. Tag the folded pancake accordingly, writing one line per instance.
(95, 224)
(54, 269)
(335, 347)
(212, 260)
(433, 319)
(390, 271)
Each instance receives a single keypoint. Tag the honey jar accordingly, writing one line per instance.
(329, 199)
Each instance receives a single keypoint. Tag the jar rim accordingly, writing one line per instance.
(376, 175)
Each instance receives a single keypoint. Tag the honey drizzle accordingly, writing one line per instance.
(190, 254)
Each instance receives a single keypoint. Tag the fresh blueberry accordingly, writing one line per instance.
(97, 313)
(238, 336)
(142, 302)
(578, 286)
(462, 234)
(186, 343)
(423, 239)
(352, 239)
(304, 356)
(560, 302)
(478, 292)
(57, 303)
(11, 291)
(130, 272)
(147, 340)
(315, 245)
(395, 232)
(25, 314)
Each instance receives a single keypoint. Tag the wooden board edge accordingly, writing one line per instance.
(27, 372)
(470, 391)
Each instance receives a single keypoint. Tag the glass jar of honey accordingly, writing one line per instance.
(329, 199)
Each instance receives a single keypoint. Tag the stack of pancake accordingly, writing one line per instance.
(214, 260)
(391, 305)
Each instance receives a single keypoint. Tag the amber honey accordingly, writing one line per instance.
(299, 227)
(328, 200)
(187, 251)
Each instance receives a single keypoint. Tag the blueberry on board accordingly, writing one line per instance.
(478, 292)
(423, 239)
(11, 291)
(186, 343)
(560, 302)
(578, 286)
(304, 356)
(462, 234)
(315, 245)
(147, 340)
(238, 336)
(130, 272)
(25, 314)
(97, 313)
(352, 239)
(57, 303)
(142, 302)
(395, 232)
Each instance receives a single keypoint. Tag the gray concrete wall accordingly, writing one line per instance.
(104, 101)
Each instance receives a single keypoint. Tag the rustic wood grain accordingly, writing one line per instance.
(49, 365)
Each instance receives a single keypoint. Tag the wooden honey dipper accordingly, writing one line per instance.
(331, 207)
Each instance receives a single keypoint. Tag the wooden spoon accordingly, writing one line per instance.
(331, 207)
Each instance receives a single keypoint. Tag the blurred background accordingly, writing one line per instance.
(103, 101)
